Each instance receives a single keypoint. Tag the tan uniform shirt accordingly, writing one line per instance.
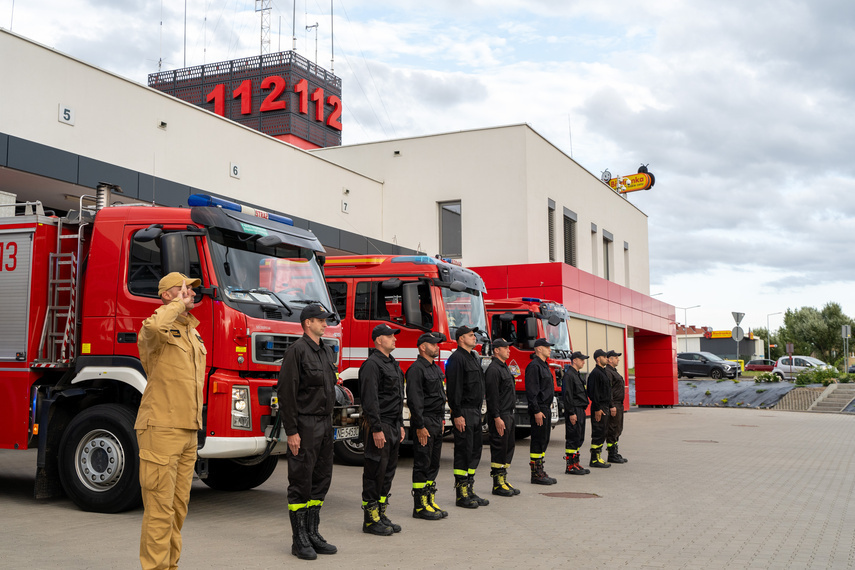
(173, 356)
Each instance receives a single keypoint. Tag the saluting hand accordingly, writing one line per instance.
(186, 295)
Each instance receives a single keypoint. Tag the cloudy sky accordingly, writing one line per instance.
(743, 110)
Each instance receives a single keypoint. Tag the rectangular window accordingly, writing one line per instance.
(338, 294)
(145, 270)
(569, 237)
(450, 229)
(551, 226)
(362, 303)
(608, 261)
(595, 250)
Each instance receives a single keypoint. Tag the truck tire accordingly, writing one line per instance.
(350, 452)
(232, 475)
(716, 374)
(99, 460)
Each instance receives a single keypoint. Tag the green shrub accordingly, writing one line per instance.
(736, 380)
(824, 377)
(760, 391)
(766, 377)
(707, 393)
(724, 400)
(845, 379)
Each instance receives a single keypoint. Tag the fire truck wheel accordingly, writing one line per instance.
(349, 451)
(99, 460)
(232, 475)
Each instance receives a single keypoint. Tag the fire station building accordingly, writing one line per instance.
(503, 201)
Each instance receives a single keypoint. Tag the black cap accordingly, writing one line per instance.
(578, 354)
(500, 343)
(382, 330)
(463, 330)
(600, 352)
(612, 353)
(315, 311)
(433, 338)
(542, 342)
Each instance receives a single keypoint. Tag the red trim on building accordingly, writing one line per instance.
(297, 141)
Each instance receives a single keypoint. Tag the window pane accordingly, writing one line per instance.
(450, 230)
(362, 303)
(338, 292)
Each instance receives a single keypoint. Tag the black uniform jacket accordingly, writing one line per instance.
(616, 386)
(573, 393)
(381, 387)
(501, 392)
(306, 382)
(539, 385)
(465, 381)
(425, 391)
(599, 389)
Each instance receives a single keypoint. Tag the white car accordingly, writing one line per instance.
(789, 367)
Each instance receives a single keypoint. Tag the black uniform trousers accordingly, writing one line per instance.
(310, 471)
(540, 433)
(380, 464)
(574, 435)
(615, 426)
(599, 429)
(467, 444)
(426, 457)
(502, 446)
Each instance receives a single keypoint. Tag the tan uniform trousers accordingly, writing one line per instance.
(167, 457)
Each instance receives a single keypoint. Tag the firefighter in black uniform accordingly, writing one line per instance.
(426, 401)
(306, 392)
(465, 381)
(540, 391)
(501, 399)
(575, 401)
(599, 393)
(616, 409)
(381, 386)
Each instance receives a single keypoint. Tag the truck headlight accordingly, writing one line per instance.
(240, 408)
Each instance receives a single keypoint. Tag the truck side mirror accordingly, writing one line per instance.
(554, 320)
(457, 286)
(173, 253)
(506, 317)
(530, 332)
(411, 308)
(152, 232)
(392, 283)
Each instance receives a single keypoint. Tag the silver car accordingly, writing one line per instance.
(789, 367)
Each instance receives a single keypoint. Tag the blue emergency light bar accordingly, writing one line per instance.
(531, 299)
(205, 200)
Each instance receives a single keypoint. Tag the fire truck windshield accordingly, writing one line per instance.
(464, 308)
(283, 277)
(557, 335)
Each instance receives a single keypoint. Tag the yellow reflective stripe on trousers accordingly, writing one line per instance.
(315, 503)
(471, 472)
(297, 507)
(497, 465)
(570, 451)
(537, 455)
(419, 485)
(461, 472)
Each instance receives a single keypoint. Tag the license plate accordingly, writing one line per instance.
(345, 433)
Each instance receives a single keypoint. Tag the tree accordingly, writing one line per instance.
(814, 332)
(778, 350)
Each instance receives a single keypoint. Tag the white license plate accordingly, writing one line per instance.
(345, 433)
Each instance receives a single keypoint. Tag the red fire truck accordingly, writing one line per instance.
(521, 321)
(415, 293)
(75, 291)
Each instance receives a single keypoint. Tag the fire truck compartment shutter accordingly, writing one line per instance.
(237, 222)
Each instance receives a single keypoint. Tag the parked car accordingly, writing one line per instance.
(705, 364)
(788, 368)
(852, 369)
(760, 365)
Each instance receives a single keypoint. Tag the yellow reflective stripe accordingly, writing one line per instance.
(571, 451)
(364, 503)
(383, 500)
(297, 507)
(536, 455)
(507, 465)
(419, 485)
(497, 465)
(471, 472)
(461, 472)
(428, 482)
(314, 503)
(609, 445)
(596, 446)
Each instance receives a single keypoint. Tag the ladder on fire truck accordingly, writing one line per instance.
(57, 348)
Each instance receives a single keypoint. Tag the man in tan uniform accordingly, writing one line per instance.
(173, 356)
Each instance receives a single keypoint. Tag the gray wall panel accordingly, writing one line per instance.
(42, 160)
(4, 147)
(94, 171)
(353, 242)
(328, 236)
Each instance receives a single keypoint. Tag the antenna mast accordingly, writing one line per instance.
(294, 27)
(332, 39)
(315, 26)
(263, 6)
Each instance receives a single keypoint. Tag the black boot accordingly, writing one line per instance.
(320, 544)
(301, 547)
(508, 483)
(538, 475)
(614, 457)
(422, 509)
(499, 486)
(481, 502)
(552, 480)
(621, 457)
(432, 499)
(573, 467)
(371, 522)
(597, 460)
(385, 519)
(581, 469)
(461, 487)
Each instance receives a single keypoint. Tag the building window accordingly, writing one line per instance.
(569, 237)
(450, 229)
(608, 260)
(551, 226)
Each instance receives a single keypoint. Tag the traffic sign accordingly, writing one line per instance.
(737, 334)
(789, 348)
(737, 317)
(846, 332)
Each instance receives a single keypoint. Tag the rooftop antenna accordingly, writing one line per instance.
(160, 46)
(185, 33)
(315, 26)
(294, 27)
(332, 39)
(263, 6)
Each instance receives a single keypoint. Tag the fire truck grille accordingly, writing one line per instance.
(270, 348)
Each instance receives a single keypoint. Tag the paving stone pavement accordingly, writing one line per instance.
(704, 488)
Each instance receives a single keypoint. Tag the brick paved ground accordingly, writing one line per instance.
(704, 488)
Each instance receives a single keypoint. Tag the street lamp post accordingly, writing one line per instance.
(686, 324)
(769, 334)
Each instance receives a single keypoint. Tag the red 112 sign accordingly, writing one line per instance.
(274, 102)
